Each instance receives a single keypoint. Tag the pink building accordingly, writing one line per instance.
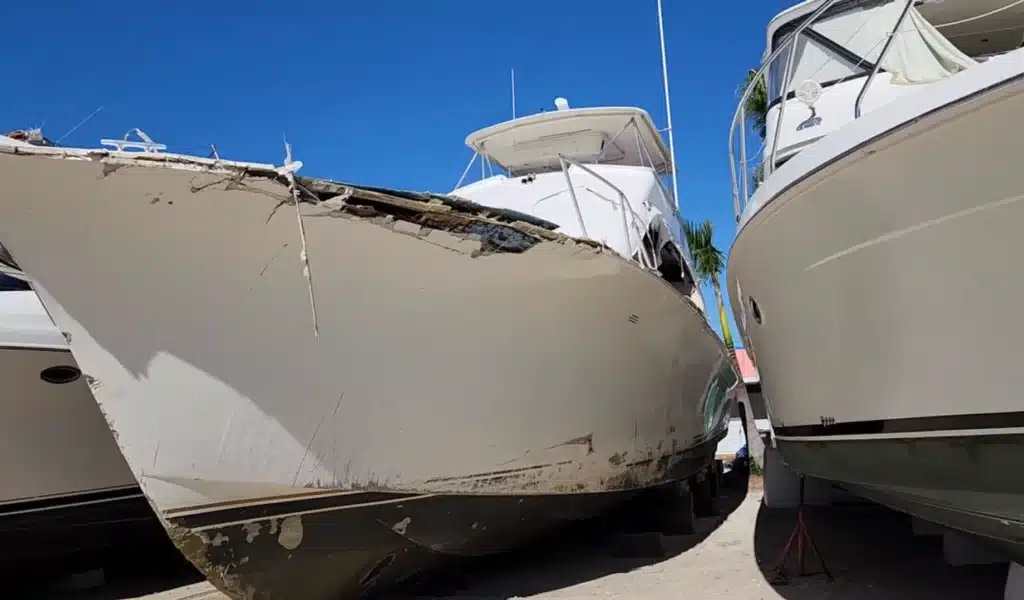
(750, 394)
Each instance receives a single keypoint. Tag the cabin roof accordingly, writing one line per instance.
(533, 143)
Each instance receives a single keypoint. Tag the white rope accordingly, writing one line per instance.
(82, 122)
(288, 170)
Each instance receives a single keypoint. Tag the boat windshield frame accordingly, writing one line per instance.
(781, 38)
(786, 46)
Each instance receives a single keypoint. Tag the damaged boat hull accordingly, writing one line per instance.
(432, 350)
(351, 544)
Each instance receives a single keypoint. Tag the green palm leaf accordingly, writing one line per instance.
(757, 102)
(709, 263)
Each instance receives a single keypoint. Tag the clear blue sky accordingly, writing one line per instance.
(380, 92)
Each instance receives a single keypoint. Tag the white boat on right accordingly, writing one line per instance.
(872, 277)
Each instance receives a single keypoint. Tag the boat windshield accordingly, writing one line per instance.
(847, 40)
(817, 57)
(822, 43)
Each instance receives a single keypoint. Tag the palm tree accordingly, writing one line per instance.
(709, 262)
(757, 115)
(757, 102)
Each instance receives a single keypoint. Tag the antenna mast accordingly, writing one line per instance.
(513, 94)
(83, 122)
(668, 109)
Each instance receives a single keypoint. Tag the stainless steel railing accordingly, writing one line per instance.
(645, 255)
(643, 258)
(739, 169)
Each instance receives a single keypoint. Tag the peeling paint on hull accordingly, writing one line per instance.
(459, 351)
(358, 544)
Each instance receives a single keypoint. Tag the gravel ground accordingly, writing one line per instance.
(870, 550)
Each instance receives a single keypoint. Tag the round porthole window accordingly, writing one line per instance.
(755, 310)
(60, 374)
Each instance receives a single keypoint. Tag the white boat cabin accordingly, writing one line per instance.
(841, 63)
(594, 172)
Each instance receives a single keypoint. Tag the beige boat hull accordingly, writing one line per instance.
(425, 367)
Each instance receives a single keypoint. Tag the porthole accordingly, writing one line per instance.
(755, 310)
(60, 374)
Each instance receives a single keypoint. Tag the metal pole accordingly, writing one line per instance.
(513, 94)
(572, 194)
(881, 57)
(668, 109)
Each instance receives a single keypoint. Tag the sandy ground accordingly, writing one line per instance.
(870, 550)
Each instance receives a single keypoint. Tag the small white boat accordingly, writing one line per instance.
(873, 273)
(451, 375)
(64, 486)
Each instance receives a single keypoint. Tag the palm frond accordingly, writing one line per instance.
(708, 260)
(757, 175)
(757, 102)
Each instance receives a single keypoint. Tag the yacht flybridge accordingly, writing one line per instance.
(872, 276)
(324, 388)
(594, 171)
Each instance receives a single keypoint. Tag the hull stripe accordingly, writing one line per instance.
(69, 500)
(280, 509)
(934, 425)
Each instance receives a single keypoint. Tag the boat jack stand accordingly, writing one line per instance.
(798, 538)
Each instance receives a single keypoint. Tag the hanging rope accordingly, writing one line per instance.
(288, 170)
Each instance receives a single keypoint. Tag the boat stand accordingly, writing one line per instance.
(798, 538)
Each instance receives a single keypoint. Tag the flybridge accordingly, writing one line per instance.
(623, 136)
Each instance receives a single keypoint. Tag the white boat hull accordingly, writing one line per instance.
(64, 486)
(434, 372)
(884, 327)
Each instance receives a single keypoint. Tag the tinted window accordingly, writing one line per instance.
(13, 284)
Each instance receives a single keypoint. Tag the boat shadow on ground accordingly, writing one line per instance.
(617, 542)
(117, 575)
(869, 549)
